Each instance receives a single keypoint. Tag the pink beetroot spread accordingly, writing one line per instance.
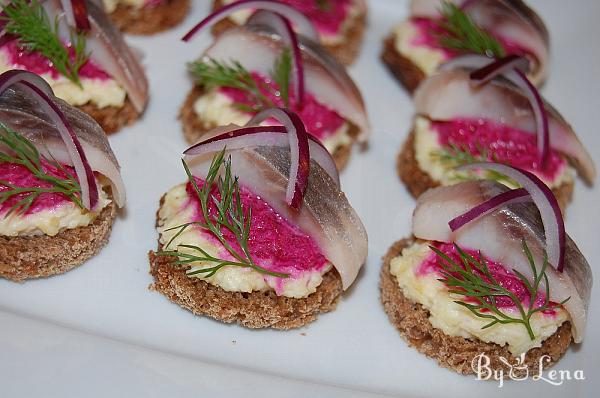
(503, 144)
(35, 62)
(320, 121)
(503, 276)
(274, 243)
(20, 176)
(327, 16)
(429, 30)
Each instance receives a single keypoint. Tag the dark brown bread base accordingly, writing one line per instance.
(111, 118)
(417, 181)
(345, 52)
(194, 128)
(41, 256)
(252, 310)
(455, 353)
(150, 20)
(407, 73)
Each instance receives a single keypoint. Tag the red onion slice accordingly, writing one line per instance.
(299, 151)
(37, 88)
(487, 207)
(485, 74)
(76, 14)
(80, 14)
(302, 24)
(282, 27)
(254, 136)
(543, 198)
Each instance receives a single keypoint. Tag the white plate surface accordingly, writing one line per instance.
(99, 331)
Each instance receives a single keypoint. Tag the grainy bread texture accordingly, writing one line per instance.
(418, 181)
(150, 20)
(345, 52)
(409, 74)
(27, 257)
(253, 310)
(112, 118)
(194, 128)
(455, 353)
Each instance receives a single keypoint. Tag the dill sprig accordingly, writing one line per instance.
(29, 22)
(229, 216)
(474, 281)
(282, 70)
(16, 149)
(214, 74)
(462, 34)
(458, 155)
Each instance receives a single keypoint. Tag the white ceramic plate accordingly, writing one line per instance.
(99, 331)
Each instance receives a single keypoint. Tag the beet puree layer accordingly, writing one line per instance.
(320, 121)
(503, 144)
(20, 176)
(35, 62)
(275, 244)
(505, 277)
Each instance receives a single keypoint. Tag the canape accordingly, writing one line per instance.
(146, 17)
(265, 64)
(488, 275)
(60, 182)
(261, 233)
(466, 114)
(439, 30)
(340, 24)
(75, 47)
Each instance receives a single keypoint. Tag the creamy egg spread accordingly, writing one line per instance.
(52, 220)
(176, 210)
(428, 59)
(216, 109)
(427, 148)
(456, 320)
(100, 92)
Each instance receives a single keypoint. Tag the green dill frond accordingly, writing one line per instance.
(472, 279)
(463, 35)
(230, 215)
(35, 32)
(21, 151)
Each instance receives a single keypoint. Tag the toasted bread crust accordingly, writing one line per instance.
(112, 118)
(194, 128)
(418, 181)
(27, 257)
(455, 353)
(150, 20)
(345, 52)
(407, 73)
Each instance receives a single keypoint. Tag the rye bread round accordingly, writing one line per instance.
(150, 20)
(194, 128)
(455, 353)
(260, 309)
(255, 310)
(418, 181)
(112, 118)
(345, 52)
(403, 69)
(39, 256)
